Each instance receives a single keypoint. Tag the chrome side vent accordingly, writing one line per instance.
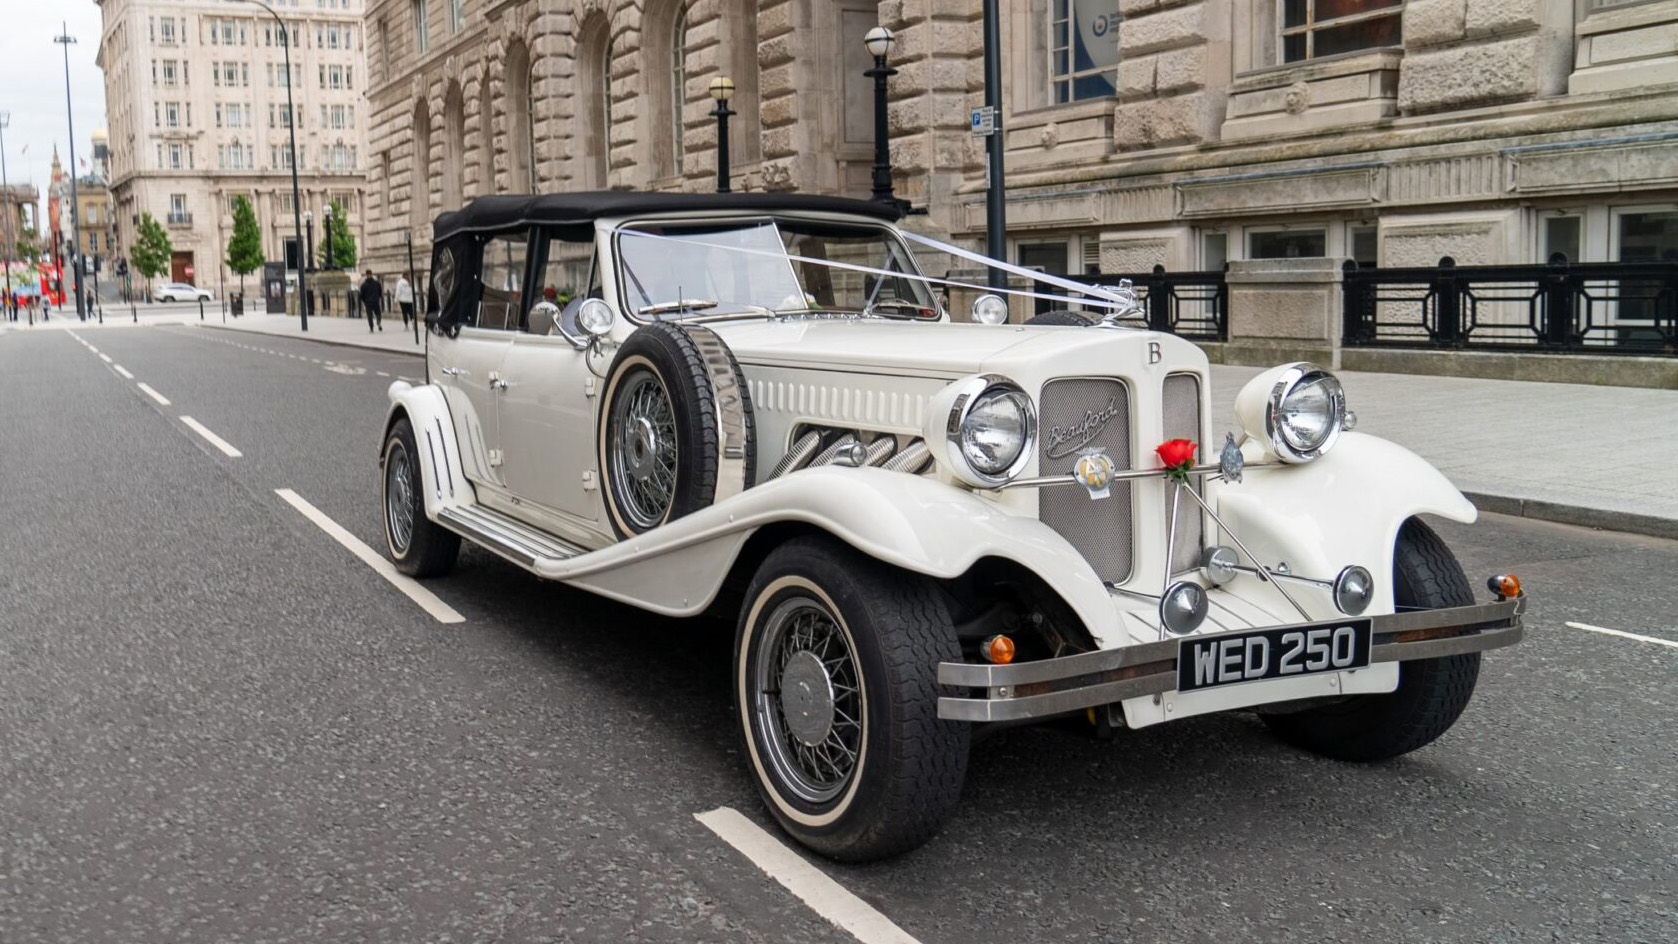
(914, 459)
(880, 450)
(839, 448)
(798, 456)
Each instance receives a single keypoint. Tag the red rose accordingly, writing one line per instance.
(1176, 454)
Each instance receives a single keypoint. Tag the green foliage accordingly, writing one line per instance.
(343, 244)
(244, 247)
(28, 245)
(151, 251)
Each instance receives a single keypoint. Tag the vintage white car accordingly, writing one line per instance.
(757, 405)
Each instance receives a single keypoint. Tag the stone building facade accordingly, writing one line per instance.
(1183, 133)
(195, 93)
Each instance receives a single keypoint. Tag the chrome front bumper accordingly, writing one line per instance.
(1027, 690)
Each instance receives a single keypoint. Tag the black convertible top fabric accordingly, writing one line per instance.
(503, 211)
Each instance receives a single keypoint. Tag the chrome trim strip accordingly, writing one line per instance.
(1481, 627)
(1045, 481)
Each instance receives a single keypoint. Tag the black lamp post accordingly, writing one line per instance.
(291, 128)
(65, 39)
(879, 41)
(996, 208)
(722, 89)
(307, 264)
(326, 235)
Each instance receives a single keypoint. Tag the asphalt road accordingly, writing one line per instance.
(218, 725)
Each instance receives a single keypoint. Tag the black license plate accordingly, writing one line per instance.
(1285, 652)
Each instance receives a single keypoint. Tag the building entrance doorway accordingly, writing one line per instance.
(181, 268)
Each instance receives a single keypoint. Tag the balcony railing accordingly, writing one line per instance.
(180, 218)
(1559, 307)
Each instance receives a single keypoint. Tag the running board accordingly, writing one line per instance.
(500, 534)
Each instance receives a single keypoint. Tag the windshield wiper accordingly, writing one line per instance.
(680, 304)
(897, 304)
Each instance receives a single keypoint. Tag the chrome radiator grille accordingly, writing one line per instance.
(1181, 417)
(1076, 416)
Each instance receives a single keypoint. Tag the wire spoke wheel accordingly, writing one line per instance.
(399, 498)
(808, 703)
(644, 454)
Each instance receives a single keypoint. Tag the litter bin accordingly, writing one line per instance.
(238, 304)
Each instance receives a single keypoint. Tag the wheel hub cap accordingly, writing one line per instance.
(807, 698)
(643, 448)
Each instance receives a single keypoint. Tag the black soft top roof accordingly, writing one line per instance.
(571, 209)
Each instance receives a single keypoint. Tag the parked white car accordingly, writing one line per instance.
(181, 292)
(757, 406)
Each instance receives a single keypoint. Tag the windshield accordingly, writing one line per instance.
(761, 266)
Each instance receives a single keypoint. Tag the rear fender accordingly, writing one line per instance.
(1345, 508)
(439, 456)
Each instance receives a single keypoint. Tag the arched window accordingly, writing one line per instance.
(454, 146)
(593, 103)
(521, 124)
(419, 172)
(664, 51)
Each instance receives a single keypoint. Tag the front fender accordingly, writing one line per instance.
(1345, 508)
(428, 412)
(911, 522)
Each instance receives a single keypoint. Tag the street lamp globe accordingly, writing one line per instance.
(722, 88)
(879, 41)
(326, 210)
(308, 217)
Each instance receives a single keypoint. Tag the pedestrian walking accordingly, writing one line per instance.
(405, 298)
(372, 301)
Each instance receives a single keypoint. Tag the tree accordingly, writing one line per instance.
(244, 247)
(343, 244)
(151, 251)
(28, 248)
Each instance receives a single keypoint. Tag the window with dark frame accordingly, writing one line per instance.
(1083, 49)
(1315, 29)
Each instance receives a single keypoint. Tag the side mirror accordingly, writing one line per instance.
(544, 318)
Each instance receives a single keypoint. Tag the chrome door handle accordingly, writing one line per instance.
(453, 372)
(498, 384)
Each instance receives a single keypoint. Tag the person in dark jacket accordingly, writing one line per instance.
(372, 301)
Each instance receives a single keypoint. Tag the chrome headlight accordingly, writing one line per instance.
(991, 429)
(1297, 409)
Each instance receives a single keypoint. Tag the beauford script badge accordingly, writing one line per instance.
(1065, 440)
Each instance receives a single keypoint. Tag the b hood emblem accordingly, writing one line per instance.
(1063, 441)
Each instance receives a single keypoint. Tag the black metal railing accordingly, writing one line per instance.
(1558, 307)
(1190, 304)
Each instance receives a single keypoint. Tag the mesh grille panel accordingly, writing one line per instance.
(1182, 421)
(1078, 416)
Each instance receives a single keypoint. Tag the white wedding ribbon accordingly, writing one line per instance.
(1116, 297)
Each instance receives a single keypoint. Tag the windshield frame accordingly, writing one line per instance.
(886, 231)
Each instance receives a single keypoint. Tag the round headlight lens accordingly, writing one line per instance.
(996, 430)
(990, 309)
(1305, 412)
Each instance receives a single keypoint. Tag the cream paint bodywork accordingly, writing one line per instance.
(886, 376)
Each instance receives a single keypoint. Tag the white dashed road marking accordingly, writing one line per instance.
(440, 611)
(148, 391)
(1622, 634)
(812, 886)
(125, 374)
(106, 358)
(214, 440)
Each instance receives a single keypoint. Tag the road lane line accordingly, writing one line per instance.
(214, 440)
(148, 391)
(440, 611)
(812, 886)
(121, 370)
(1616, 632)
(106, 358)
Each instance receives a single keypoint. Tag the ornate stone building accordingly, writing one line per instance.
(1187, 133)
(195, 91)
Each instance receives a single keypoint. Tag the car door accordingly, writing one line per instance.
(547, 409)
(469, 365)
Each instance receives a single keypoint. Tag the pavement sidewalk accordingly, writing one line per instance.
(1604, 457)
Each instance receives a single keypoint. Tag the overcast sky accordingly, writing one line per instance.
(32, 85)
